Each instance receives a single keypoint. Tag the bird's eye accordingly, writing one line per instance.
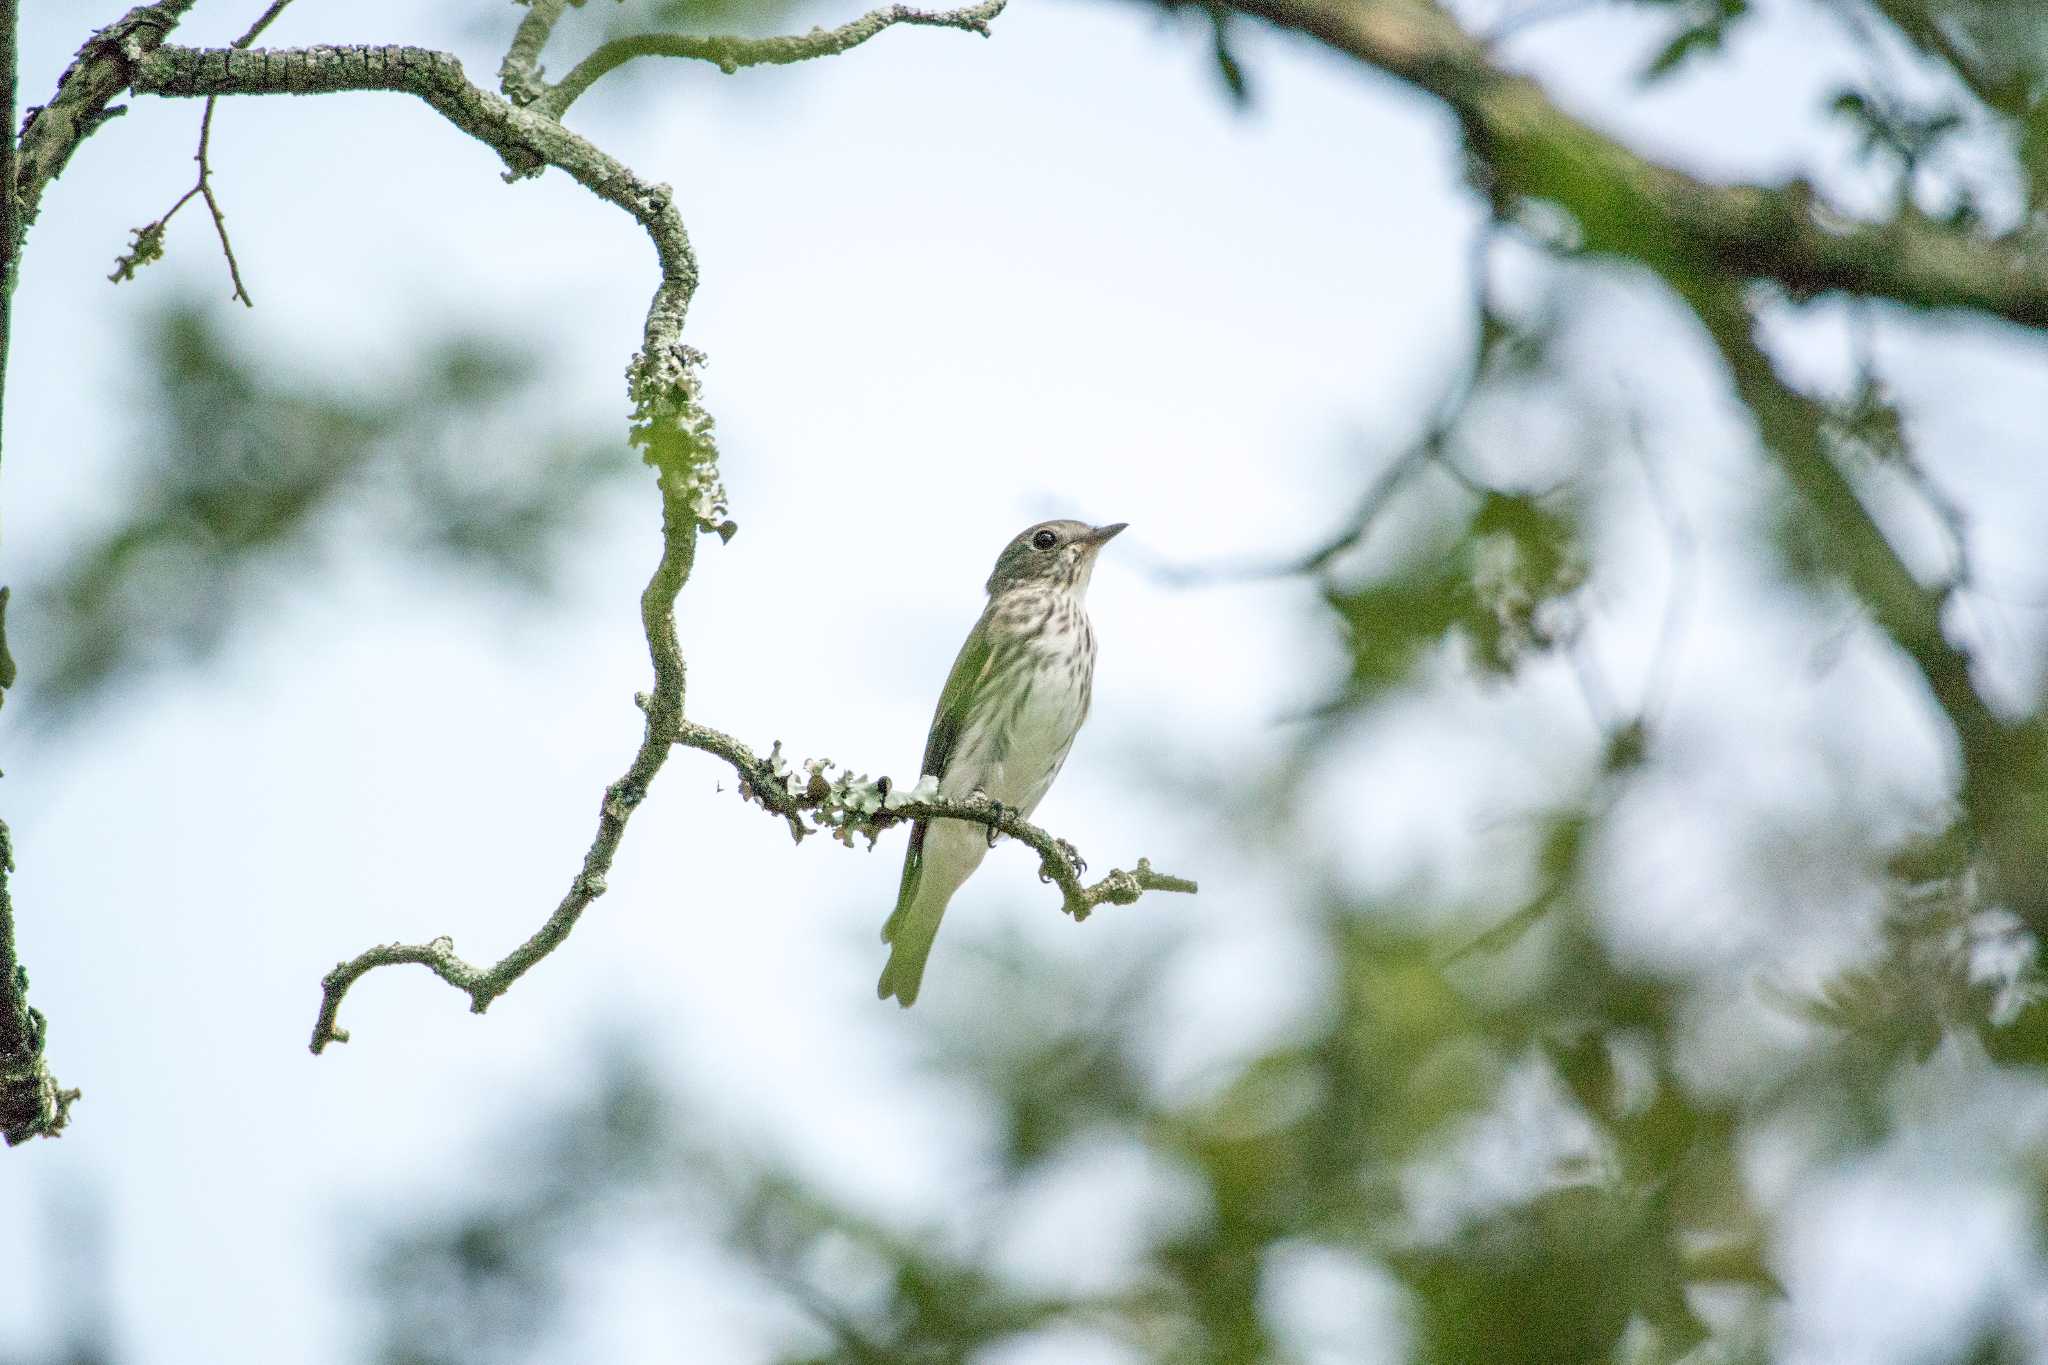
(1045, 540)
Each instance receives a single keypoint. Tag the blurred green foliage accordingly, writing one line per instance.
(246, 473)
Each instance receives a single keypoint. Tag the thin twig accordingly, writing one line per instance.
(149, 238)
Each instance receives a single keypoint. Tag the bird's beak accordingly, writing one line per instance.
(1101, 535)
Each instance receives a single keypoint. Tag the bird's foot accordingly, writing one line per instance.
(999, 810)
(1073, 856)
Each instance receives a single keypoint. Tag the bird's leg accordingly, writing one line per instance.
(997, 809)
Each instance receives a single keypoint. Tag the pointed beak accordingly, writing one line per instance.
(1102, 535)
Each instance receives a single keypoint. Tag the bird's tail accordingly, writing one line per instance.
(909, 945)
(932, 872)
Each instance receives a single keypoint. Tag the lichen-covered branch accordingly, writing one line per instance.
(84, 100)
(663, 376)
(32, 1104)
(815, 796)
(669, 424)
(664, 717)
(730, 54)
(148, 244)
(1627, 205)
(519, 78)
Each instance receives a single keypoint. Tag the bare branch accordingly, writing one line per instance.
(730, 54)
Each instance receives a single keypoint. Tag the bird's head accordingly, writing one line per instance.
(1053, 554)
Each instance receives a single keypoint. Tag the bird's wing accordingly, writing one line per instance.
(970, 670)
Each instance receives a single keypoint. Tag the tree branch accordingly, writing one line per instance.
(812, 797)
(1629, 206)
(669, 426)
(730, 54)
(149, 238)
(1704, 240)
(664, 718)
(2004, 783)
(32, 1104)
(662, 377)
(84, 100)
(10, 240)
(519, 77)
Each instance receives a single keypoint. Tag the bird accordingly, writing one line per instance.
(1011, 707)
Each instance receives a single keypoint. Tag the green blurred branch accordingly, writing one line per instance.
(2004, 782)
(1627, 205)
(729, 54)
(1706, 241)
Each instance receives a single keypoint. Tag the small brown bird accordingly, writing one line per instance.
(1011, 708)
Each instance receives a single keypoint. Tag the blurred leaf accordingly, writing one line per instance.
(1500, 590)
(1228, 67)
(1704, 32)
(248, 476)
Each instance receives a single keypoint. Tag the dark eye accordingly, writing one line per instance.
(1045, 540)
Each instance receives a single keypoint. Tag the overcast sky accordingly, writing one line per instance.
(950, 286)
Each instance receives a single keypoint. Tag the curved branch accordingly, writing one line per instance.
(84, 100)
(812, 797)
(526, 141)
(730, 54)
(668, 422)
(664, 711)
